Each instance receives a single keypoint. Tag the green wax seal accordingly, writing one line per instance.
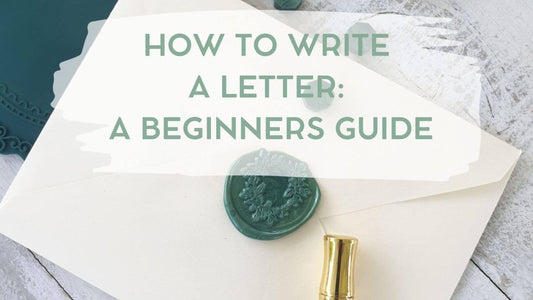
(287, 4)
(318, 103)
(270, 194)
(361, 28)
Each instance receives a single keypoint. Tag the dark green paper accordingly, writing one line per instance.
(35, 36)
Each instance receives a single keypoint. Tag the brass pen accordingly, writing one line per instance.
(338, 270)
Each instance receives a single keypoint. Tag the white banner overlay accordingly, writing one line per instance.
(144, 74)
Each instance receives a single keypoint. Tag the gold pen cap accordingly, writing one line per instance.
(338, 271)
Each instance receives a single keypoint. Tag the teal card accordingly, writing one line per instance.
(35, 36)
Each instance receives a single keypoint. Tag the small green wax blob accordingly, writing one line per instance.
(361, 28)
(287, 4)
(318, 103)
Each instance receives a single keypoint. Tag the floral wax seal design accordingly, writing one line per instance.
(273, 195)
(287, 4)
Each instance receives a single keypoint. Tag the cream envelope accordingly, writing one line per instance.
(168, 236)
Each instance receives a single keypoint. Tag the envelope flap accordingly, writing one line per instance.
(496, 159)
(51, 165)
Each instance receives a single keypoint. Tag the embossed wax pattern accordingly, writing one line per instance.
(264, 206)
(35, 37)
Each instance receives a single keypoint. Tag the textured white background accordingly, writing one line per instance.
(500, 35)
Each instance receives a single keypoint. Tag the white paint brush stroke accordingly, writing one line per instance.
(448, 80)
(68, 68)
